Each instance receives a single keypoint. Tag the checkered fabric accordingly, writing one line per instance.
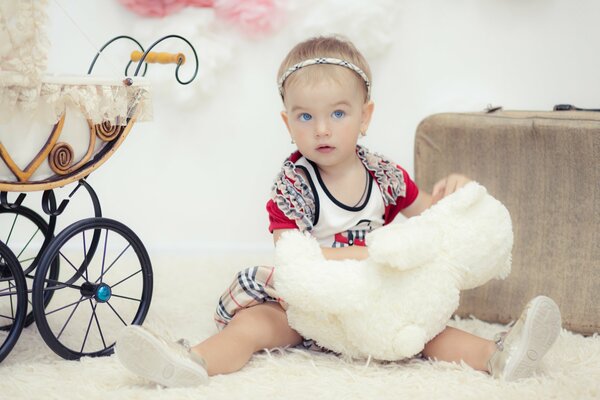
(250, 287)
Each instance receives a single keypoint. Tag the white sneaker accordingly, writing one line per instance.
(521, 349)
(170, 364)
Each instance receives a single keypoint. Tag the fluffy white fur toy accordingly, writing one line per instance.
(402, 296)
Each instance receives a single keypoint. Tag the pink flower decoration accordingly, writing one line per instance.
(154, 8)
(201, 3)
(252, 16)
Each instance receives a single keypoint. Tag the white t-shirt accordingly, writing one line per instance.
(337, 224)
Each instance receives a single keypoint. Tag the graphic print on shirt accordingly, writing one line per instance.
(355, 236)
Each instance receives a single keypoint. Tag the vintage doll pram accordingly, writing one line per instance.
(84, 283)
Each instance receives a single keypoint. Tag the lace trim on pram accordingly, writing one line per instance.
(23, 54)
(295, 199)
(98, 103)
(23, 42)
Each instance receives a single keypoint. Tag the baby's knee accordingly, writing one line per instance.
(261, 323)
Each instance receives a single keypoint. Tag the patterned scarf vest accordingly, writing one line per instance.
(295, 199)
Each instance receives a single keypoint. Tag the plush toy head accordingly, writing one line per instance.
(402, 296)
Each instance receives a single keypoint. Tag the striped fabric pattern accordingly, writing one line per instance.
(250, 287)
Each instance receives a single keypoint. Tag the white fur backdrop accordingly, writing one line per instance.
(185, 296)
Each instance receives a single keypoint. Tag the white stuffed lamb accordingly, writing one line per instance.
(402, 296)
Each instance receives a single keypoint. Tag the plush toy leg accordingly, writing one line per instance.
(408, 342)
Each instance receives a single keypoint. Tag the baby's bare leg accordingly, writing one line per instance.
(455, 345)
(264, 326)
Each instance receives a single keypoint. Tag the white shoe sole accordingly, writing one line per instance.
(540, 329)
(143, 354)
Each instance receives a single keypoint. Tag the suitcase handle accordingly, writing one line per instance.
(571, 107)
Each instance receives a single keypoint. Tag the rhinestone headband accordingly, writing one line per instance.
(324, 60)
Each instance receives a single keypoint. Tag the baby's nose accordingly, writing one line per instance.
(322, 129)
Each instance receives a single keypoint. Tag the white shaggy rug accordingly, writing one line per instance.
(184, 298)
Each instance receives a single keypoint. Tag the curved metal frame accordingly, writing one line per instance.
(179, 64)
(52, 209)
(110, 42)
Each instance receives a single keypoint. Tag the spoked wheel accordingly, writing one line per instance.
(27, 234)
(13, 300)
(97, 292)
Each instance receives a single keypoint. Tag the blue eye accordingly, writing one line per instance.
(338, 114)
(305, 117)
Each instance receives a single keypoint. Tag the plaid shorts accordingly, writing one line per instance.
(251, 286)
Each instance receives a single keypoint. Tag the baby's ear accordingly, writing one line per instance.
(367, 113)
(284, 117)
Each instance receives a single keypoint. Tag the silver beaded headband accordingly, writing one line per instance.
(324, 60)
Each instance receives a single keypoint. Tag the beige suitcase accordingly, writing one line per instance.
(545, 167)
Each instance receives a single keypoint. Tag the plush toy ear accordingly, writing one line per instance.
(405, 245)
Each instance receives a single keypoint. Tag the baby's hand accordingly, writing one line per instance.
(447, 186)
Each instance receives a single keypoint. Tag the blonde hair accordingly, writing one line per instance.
(324, 47)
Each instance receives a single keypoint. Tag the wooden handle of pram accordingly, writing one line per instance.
(161, 58)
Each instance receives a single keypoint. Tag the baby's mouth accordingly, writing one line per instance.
(325, 148)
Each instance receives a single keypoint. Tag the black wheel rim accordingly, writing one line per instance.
(102, 287)
(13, 300)
(27, 234)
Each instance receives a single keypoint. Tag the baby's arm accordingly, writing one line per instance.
(441, 189)
(339, 253)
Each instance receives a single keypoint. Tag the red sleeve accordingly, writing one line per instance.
(412, 191)
(277, 219)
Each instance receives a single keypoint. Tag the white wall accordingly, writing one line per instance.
(198, 176)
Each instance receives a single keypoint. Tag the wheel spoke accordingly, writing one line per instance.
(125, 297)
(11, 229)
(123, 280)
(104, 255)
(27, 244)
(27, 259)
(87, 331)
(4, 293)
(98, 326)
(113, 263)
(68, 305)
(116, 313)
(12, 307)
(70, 263)
(61, 285)
(68, 319)
(85, 260)
(7, 317)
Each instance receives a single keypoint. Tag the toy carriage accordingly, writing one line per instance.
(83, 284)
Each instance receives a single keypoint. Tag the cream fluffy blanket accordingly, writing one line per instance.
(186, 291)
(391, 304)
